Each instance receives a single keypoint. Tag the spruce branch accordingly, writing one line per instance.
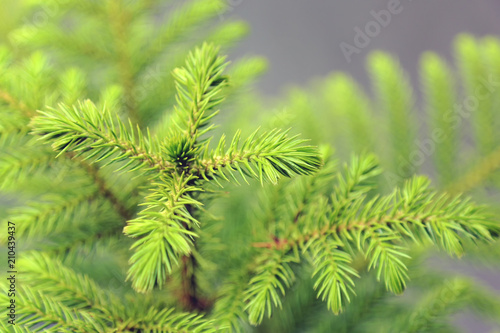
(333, 272)
(395, 98)
(334, 220)
(68, 287)
(350, 106)
(157, 89)
(439, 91)
(264, 157)
(229, 308)
(20, 164)
(86, 129)
(13, 128)
(190, 297)
(163, 232)
(381, 228)
(473, 69)
(357, 182)
(166, 320)
(242, 73)
(72, 85)
(440, 301)
(272, 275)
(53, 212)
(388, 258)
(439, 219)
(39, 313)
(245, 71)
(199, 90)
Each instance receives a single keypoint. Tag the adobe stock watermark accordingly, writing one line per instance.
(40, 18)
(281, 118)
(364, 35)
(152, 77)
(454, 117)
(229, 6)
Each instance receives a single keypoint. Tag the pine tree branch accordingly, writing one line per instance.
(199, 90)
(265, 157)
(478, 174)
(413, 212)
(44, 218)
(86, 129)
(19, 164)
(273, 273)
(162, 228)
(333, 272)
(167, 321)
(39, 312)
(63, 284)
(45, 158)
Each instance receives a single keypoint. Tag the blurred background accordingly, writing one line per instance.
(303, 41)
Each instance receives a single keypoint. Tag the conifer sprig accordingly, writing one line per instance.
(165, 228)
(59, 282)
(266, 157)
(199, 87)
(381, 228)
(333, 220)
(273, 274)
(84, 128)
(41, 313)
(165, 231)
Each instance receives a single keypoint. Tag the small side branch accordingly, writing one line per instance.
(6, 97)
(103, 189)
(478, 174)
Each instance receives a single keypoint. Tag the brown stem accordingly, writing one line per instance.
(6, 97)
(93, 171)
(283, 243)
(190, 297)
(478, 174)
(120, 20)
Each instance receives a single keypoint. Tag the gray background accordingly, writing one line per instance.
(301, 39)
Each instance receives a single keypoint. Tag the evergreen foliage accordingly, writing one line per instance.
(123, 218)
(456, 142)
(454, 101)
